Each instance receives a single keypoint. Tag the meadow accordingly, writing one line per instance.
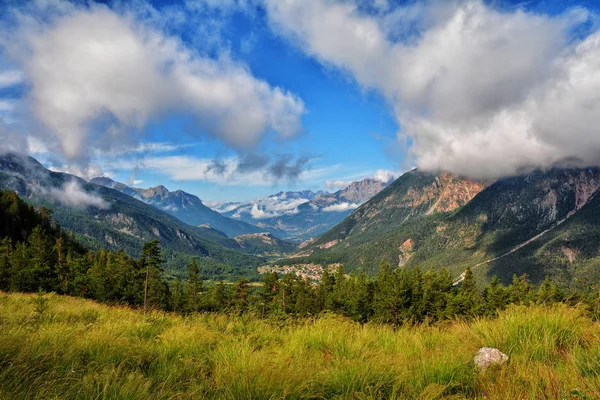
(61, 347)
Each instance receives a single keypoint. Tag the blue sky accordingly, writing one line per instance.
(319, 107)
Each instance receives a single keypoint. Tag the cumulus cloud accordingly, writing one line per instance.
(283, 203)
(340, 207)
(271, 207)
(384, 175)
(475, 90)
(73, 195)
(86, 172)
(91, 66)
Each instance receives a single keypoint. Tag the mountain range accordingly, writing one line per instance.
(303, 215)
(545, 223)
(102, 217)
(182, 205)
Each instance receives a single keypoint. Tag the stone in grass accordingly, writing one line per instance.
(488, 356)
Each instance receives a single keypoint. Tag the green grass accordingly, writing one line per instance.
(69, 348)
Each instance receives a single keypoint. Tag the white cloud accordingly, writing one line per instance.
(73, 195)
(270, 207)
(337, 185)
(384, 175)
(91, 65)
(340, 207)
(221, 207)
(7, 105)
(10, 78)
(381, 175)
(137, 181)
(479, 91)
(86, 172)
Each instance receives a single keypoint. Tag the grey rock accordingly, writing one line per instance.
(488, 356)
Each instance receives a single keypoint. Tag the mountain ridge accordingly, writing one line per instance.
(306, 214)
(539, 223)
(182, 205)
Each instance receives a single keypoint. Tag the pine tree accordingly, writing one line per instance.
(385, 301)
(22, 273)
(42, 260)
(325, 291)
(193, 288)
(495, 296)
(155, 289)
(268, 293)
(437, 289)
(62, 267)
(361, 296)
(177, 296)
(240, 295)
(219, 297)
(340, 293)
(466, 303)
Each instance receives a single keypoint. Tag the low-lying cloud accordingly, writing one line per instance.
(476, 90)
(71, 194)
(340, 207)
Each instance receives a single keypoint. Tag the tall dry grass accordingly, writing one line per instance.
(76, 349)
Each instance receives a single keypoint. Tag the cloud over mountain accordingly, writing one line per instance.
(476, 90)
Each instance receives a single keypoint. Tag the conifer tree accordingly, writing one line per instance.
(177, 296)
(42, 260)
(268, 293)
(22, 274)
(495, 296)
(219, 297)
(62, 267)
(193, 288)
(155, 289)
(325, 291)
(241, 291)
(360, 299)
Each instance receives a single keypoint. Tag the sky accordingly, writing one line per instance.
(237, 99)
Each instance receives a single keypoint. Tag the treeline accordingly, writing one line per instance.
(400, 295)
(36, 254)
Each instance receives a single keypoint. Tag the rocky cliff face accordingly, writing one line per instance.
(413, 194)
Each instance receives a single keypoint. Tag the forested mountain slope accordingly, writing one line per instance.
(545, 223)
(104, 217)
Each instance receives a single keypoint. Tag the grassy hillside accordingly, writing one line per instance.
(70, 348)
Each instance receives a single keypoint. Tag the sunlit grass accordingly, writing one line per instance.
(78, 349)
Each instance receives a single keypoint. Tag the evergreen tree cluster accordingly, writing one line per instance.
(396, 296)
(36, 254)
